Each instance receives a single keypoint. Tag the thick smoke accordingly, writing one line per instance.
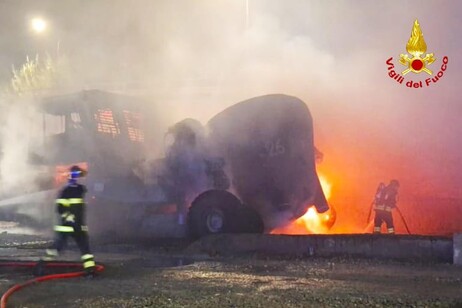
(195, 58)
(18, 134)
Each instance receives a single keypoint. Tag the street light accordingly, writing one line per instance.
(39, 25)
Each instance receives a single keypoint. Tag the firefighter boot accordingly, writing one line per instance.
(90, 273)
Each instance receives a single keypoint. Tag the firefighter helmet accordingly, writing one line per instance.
(394, 183)
(76, 172)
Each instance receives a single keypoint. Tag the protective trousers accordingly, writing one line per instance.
(382, 216)
(81, 239)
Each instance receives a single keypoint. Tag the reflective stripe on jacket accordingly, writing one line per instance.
(381, 207)
(68, 229)
(70, 201)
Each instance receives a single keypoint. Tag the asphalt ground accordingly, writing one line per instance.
(160, 274)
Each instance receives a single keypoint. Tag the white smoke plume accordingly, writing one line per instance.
(18, 134)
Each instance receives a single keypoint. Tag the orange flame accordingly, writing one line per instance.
(312, 222)
(326, 186)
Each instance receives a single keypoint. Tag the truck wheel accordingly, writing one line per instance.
(219, 211)
(214, 211)
(249, 220)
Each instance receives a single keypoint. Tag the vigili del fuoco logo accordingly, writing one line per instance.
(416, 61)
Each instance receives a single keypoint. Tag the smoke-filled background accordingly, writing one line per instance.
(194, 58)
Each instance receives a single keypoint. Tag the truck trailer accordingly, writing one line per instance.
(250, 168)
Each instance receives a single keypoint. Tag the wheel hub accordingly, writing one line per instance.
(215, 221)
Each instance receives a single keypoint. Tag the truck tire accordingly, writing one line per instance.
(213, 212)
(249, 220)
(219, 211)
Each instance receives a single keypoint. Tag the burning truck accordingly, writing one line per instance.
(251, 168)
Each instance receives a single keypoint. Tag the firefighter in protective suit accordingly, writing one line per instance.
(386, 199)
(70, 207)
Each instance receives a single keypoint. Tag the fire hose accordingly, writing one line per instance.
(370, 211)
(17, 287)
(402, 218)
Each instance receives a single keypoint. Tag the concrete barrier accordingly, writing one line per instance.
(400, 247)
(457, 248)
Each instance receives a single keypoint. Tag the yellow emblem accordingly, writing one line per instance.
(416, 46)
